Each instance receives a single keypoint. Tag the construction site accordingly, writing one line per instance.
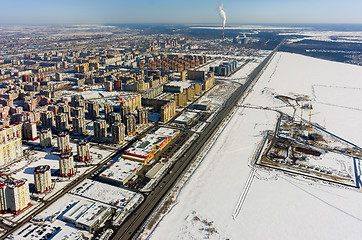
(307, 149)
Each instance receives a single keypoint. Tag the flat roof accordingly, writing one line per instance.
(185, 117)
(77, 210)
(92, 214)
(145, 146)
(154, 170)
(104, 193)
(85, 212)
(121, 170)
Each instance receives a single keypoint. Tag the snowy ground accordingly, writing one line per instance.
(227, 198)
(327, 36)
(24, 168)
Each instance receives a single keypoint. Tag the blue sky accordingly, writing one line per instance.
(180, 11)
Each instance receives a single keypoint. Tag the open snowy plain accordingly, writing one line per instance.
(227, 198)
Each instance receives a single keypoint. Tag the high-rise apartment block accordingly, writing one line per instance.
(168, 111)
(77, 101)
(108, 109)
(180, 99)
(142, 116)
(59, 76)
(64, 108)
(132, 102)
(78, 112)
(14, 196)
(53, 108)
(100, 129)
(29, 131)
(10, 144)
(190, 94)
(47, 119)
(130, 125)
(118, 132)
(63, 142)
(46, 137)
(93, 110)
(66, 164)
(114, 117)
(108, 86)
(198, 88)
(83, 151)
(79, 125)
(42, 179)
(61, 121)
(125, 110)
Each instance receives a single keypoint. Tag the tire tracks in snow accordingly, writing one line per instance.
(244, 193)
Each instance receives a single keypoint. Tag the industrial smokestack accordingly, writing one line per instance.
(222, 15)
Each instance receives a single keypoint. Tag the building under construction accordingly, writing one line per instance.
(303, 148)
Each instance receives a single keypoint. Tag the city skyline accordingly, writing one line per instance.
(161, 11)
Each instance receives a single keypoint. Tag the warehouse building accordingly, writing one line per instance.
(120, 172)
(87, 215)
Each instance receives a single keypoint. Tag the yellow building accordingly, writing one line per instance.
(198, 88)
(181, 99)
(10, 144)
(14, 196)
(168, 111)
(183, 76)
(209, 81)
(190, 94)
(133, 102)
(85, 67)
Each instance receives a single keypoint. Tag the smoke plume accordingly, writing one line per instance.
(222, 14)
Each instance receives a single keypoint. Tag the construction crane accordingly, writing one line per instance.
(310, 120)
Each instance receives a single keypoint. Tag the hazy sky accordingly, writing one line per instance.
(180, 11)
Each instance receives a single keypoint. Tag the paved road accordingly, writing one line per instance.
(74, 184)
(129, 228)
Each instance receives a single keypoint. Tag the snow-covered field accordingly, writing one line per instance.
(328, 36)
(245, 27)
(227, 198)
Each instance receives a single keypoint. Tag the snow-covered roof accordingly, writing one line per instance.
(121, 170)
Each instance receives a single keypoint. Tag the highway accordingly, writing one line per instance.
(128, 229)
(133, 223)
